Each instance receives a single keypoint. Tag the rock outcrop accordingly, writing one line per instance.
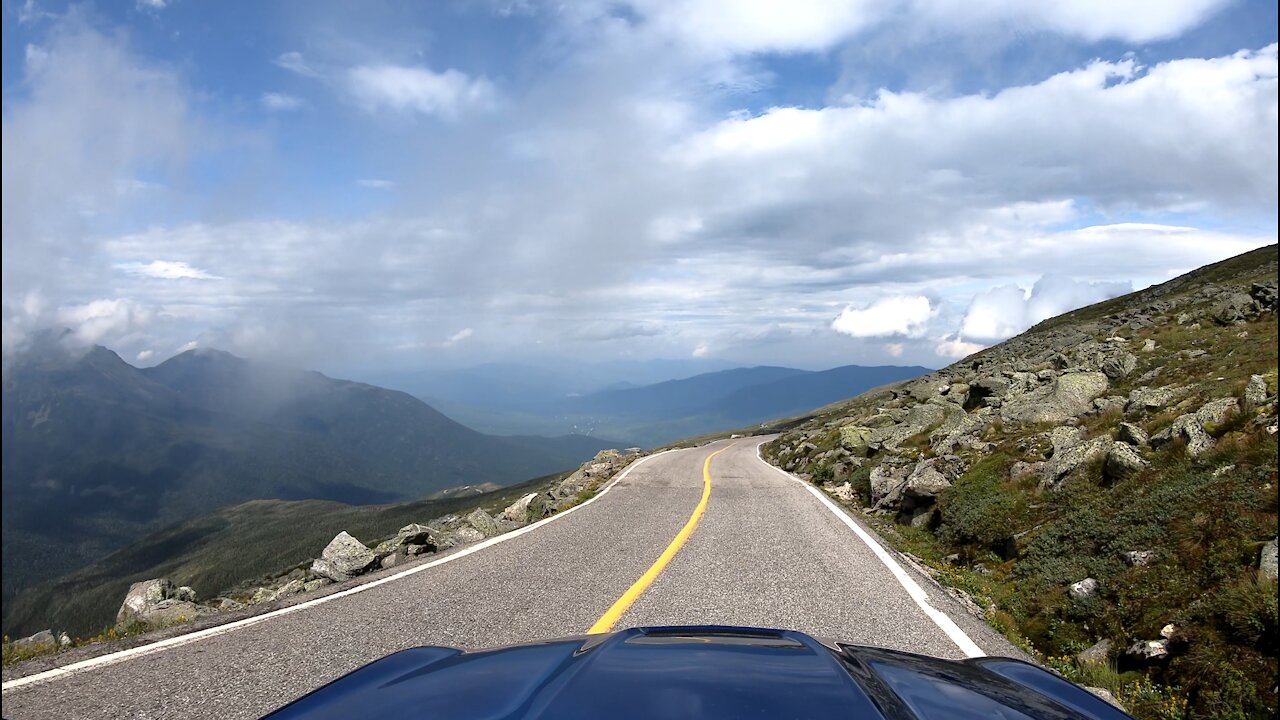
(343, 558)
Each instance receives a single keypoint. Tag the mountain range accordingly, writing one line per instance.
(97, 453)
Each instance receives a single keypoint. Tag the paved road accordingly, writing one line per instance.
(766, 552)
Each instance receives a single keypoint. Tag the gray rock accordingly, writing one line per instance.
(1086, 588)
(467, 534)
(856, 439)
(42, 641)
(293, 587)
(395, 558)
(1068, 459)
(922, 517)
(173, 612)
(414, 549)
(344, 558)
(1070, 395)
(1099, 652)
(926, 481)
(1189, 428)
(1145, 398)
(64, 641)
(844, 492)
(1264, 294)
(313, 585)
(887, 480)
(1268, 569)
(518, 511)
(185, 592)
(1149, 345)
(1122, 461)
(1106, 404)
(1119, 365)
(1236, 308)
(1139, 558)
(227, 605)
(1255, 393)
(142, 598)
(1131, 434)
(1149, 650)
(484, 522)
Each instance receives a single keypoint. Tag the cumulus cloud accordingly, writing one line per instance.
(294, 62)
(907, 316)
(102, 320)
(894, 349)
(953, 348)
(281, 102)
(420, 90)
(1006, 310)
(185, 347)
(145, 355)
(166, 270)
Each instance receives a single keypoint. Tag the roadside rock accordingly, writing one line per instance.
(313, 585)
(343, 558)
(843, 492)
(1086, 588)
(64, 641)
(411, 534)
(42, 641)
(467, 534)
(484, 522)
(518, 511)
(142, 598)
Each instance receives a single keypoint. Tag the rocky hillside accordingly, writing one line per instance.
(1103, 485)
(248, 557)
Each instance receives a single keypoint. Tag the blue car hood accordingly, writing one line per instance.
(694, 672)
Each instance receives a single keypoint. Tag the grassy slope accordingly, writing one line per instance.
(233, 546)
(1207, 518)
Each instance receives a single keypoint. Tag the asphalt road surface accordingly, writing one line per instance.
(767, 551)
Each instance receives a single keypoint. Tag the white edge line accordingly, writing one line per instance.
(917, 593)
(180, 640)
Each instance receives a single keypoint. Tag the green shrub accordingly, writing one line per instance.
(983, 509)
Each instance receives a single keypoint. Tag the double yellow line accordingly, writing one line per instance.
(633, 593)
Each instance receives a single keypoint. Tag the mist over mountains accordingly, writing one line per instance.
(98, 452)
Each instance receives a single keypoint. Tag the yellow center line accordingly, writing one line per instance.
(633, 593)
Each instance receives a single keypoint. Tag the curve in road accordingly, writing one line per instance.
(767, 551)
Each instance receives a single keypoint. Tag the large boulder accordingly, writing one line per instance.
(484, 522)
(1131, 434)
(1086, 588)
(856, 439)
(1069, 396)
(41, 642)
(411, 534)
(1119, 364)
(1122, 461)
(1233, 309)
(887, 480)
(344, 558)
(1194, 427)
(1147, 399)
(141, 598)
(1067, 459)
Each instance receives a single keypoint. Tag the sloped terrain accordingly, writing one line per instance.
(1103, 486)
(98, 453)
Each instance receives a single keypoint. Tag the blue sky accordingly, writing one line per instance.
(383, 186)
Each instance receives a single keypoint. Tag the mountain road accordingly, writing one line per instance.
(708, 535)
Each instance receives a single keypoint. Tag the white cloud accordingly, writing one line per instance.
(1006, 310)
(145, 355)
(281, 102)
(728, 27)
(906, 316)
(376, 184)
(192, 345)
(701, 350)
(417, 89)
(103, 320)
(166, 270)
(894, 349)
(955, 348)
(457, 337)
(152, 4)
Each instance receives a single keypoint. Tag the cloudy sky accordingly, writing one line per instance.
(361, 187)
